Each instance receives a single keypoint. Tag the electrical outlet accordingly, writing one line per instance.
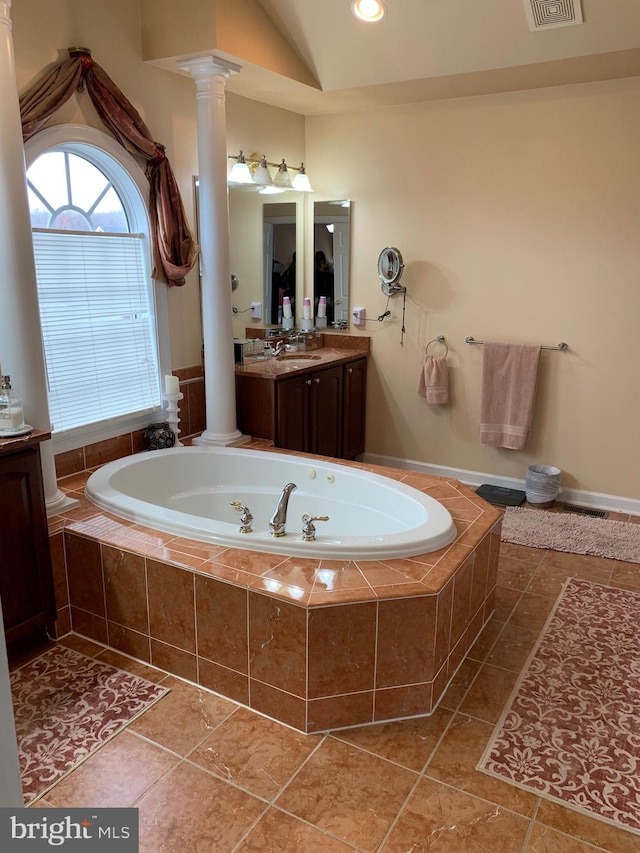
(359, 316)
(256, 310)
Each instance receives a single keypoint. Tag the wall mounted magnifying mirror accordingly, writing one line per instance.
(390, 269)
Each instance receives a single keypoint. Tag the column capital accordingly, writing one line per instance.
(208, 66)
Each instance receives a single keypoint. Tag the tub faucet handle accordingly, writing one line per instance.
(246, 518)
(309, 528)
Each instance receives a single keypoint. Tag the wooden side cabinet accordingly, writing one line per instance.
(355, 408)
(26, 576)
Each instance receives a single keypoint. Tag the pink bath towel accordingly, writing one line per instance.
(509, 373)
(433, 382)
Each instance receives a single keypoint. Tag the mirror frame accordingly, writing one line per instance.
(390, 269)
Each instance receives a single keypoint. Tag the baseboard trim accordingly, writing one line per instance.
(594, 500)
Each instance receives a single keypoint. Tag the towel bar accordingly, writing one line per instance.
(561, 346)
(438, 340)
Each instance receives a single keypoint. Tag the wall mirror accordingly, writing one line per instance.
(263, 235)
(331, 249)
(279, 236)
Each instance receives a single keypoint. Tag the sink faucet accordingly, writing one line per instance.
(279, 347)
(279, 518)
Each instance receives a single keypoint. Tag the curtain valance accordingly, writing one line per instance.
(174, 247)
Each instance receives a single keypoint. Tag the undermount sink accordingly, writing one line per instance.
(301, 358)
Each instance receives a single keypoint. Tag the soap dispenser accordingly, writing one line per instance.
(11, 410)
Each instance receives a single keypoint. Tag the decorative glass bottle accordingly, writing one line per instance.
(11, 410)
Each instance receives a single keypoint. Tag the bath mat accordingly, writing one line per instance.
(570, 732)
(619, 540)
(66, 705)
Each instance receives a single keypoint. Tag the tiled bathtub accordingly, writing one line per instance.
(316, 644)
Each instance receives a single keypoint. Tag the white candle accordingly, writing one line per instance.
(171, 385)
(306, 308)
(286, 307)
(322, 307)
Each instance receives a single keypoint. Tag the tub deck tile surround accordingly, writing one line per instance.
(316, 644)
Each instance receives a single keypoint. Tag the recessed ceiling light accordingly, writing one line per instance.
(368, 10)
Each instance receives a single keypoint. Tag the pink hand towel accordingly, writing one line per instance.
(433, 383)
(509, 373)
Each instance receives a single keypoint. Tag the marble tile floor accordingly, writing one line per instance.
(209, 775)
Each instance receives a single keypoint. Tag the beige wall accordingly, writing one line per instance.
(517, 217)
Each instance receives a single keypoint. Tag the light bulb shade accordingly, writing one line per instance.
(301, 181)
(262, 175)
(240, 174)
(282, 177)
(368, 10)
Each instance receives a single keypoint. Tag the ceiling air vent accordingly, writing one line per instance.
(551, 14)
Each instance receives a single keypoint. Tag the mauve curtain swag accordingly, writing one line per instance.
(174, 248)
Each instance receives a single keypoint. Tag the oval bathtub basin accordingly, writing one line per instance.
(188, 491)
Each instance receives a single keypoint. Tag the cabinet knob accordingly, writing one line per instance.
(349, 369)
(307, 382)
(315, 379)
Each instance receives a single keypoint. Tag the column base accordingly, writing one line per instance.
(59, 503)
(227, 440)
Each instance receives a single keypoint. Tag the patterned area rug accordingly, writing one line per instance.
(66, 705)
(571, 729)
(564, 531)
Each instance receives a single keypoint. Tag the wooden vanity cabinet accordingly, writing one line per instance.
(310, 412)
(26, 576)
(320, 411)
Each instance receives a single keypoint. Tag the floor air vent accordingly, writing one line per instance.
(584, 510)
(550, 14)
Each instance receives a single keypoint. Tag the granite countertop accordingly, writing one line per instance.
(296, 363)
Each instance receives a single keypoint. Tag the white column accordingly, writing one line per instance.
(21, 354)
(210, 74)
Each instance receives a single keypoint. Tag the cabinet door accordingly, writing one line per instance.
(292, 429)
(325, 437)
(26, 577)
(256, 407)
(355, 401)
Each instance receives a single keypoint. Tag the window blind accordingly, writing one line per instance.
(98, 326)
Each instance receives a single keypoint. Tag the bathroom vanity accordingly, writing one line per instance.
(26, 575)
(313, 401)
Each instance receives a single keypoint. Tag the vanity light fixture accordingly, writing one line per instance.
(370, 11)
(254, 173)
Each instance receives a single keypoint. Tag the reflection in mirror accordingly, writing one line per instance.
(331, 243)
(279, 259)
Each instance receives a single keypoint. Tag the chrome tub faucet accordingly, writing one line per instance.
(278, 520)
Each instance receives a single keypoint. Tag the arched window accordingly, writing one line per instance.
(98, 303)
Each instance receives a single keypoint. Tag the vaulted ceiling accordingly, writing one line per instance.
(314, 57)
